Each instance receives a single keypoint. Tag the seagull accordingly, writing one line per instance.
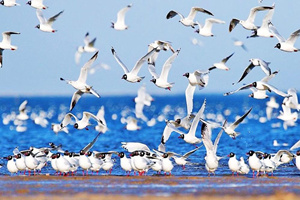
(286, 114)
(261, 86)
(125, 163)
(80, 124)
(142, 99)
(270, 106)
(206, 29)
(167, 164)
(88, 47)
(189, 20)
(270, 165)
(62, 164)
(244, 169)
(46, 25)
(182, 159)
(57, 128)
(132, 124)
(20, 162)
(264, 30)
(190, 137)
(184, 122)
(131, 76)
(11, 164)
(198, 78)
(30, 161)
(249, 22)
(134, 146)
(239, 43)
(100, 116)
(158, 45)
(254, 63)
(9, 3)
(38, 4)
(84, 162)
(97, 163)
(22, 111)
(254, 162)
(80, 84)
(6, 44)
(162, 79)
(233, 164)
(292, 101)
(211, 158)
(286, 45)
(120, 23)
(221, 65)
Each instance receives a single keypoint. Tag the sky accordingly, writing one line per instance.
(42, 58)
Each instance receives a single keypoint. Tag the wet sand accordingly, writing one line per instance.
(149, 187)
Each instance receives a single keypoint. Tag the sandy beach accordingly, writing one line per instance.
(149, 187)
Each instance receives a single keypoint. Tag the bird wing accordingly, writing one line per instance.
(140, 62)
(233, 23)
(189, 96)
(269, 77)
(209, 22)
(22, 107)
(293, 99)
(85, 68)
(119, 61)
(238, 121)
(217, 140)
(294, 36)
(152, 71)
(87, 115)
(268, 17)
(52, 19)
(206, 137)
(121, 14)
(195, 122)
(100, 114)
(280, 153)
(246, 72)
(194, 11)
(227, 58)
(272, 88)
(134, 146)
(92, 43)
(40, 16)
(241, 88)
(76, 96)
(86, 39)
(167, 66)
(265, 67)
(6, 36)
(254, 10)
(173, 13)
(91, 144)
(167, 132)
(295, 146)
(186, 155)
(276, 33)
(67, 119)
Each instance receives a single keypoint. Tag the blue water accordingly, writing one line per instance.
(254, 135)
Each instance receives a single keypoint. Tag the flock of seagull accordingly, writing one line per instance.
(142, 158)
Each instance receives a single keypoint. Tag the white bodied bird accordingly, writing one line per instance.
(6, 44)
(221, 65)
(254, 162)
(190, 137)
(292, 101)
(89, 46)
(134, 146)
(83, 123)
(125, 163)
(244, 169)
(233, 164)
(261, 86)
(255, 62)
(249, 22)
(283, 44)
(131, 76)
(206, 30)
(198, 78)
(182, 159)
(22, 111)
(132, 124)
(158, 45)
(239, 43)
(270, 106)
(9, 3)
(120, 23)
(46, 24)
(11, 164)
(189, 20)
(286, 114)
(80, 84)
(166, 163)
(162, 79)
(264, 30)
(38, 4)
(142, 99)
(57, 128)
(211, 158)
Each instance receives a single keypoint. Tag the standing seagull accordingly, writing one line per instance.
(80, 85)
(221, 65)
(249, 22)
(46, 25)
(162, 80)
(206, 29)
(6, 44)
(189, 20)
(254, 63)
(131, 76)
(286, 45)
(120, 23)
(211, 158)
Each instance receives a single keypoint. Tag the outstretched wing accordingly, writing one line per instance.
(85, 68)
(52, 19)
(167, 66)
(119, 61)
(241, 88)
